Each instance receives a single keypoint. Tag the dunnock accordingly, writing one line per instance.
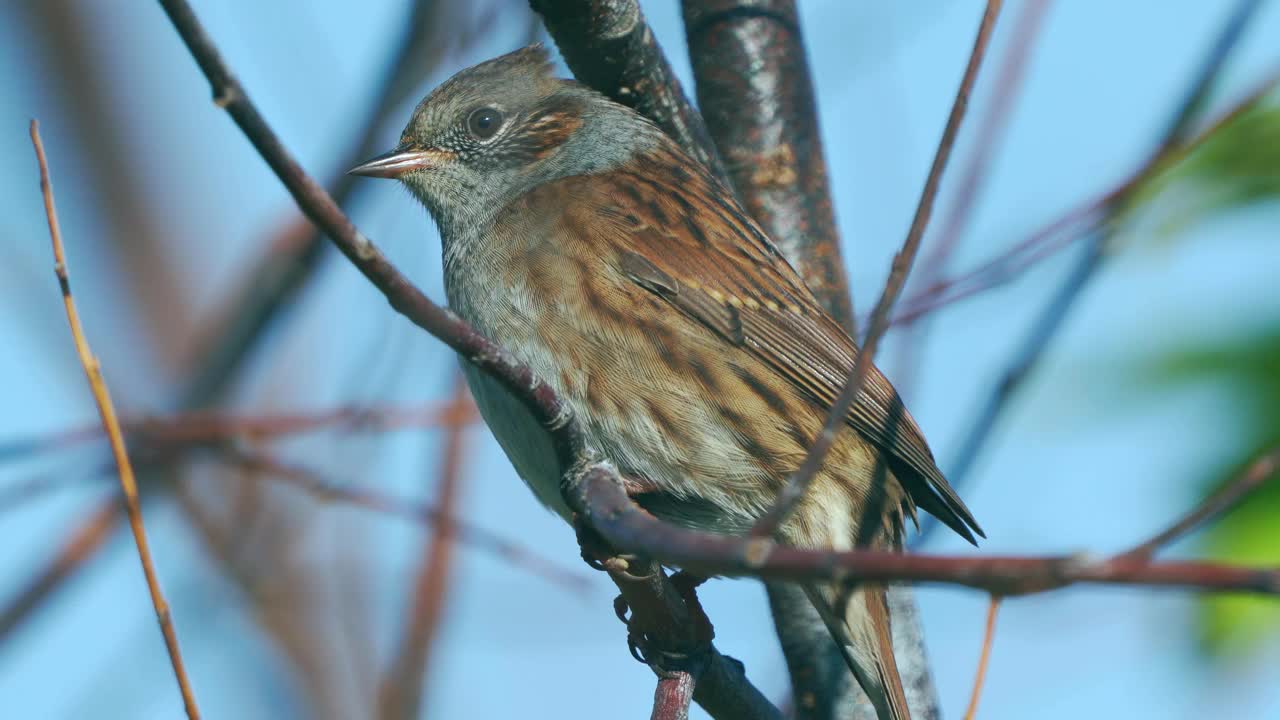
(591, 246)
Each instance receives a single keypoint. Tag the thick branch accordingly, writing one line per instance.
(756, 95)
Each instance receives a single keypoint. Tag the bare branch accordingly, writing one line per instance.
(800, 479)
(403, 296)
(201, 427)
(422, 513)
(599, 496)
(83, 544)
(289, 264)
(107, 411)
(988, 136)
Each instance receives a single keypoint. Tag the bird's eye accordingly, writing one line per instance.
(484, 122)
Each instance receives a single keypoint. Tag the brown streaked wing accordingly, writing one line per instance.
(692, 245)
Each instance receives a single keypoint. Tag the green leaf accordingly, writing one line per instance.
(1236, 166)
(1250, 368)
(1237, 624)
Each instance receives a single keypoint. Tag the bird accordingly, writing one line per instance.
(587, 243)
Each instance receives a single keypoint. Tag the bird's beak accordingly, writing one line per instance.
(399, 161)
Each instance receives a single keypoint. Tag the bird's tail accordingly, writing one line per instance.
(859, 623)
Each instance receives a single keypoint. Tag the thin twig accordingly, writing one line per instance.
(400, 695)
(198, 427)
(83, 542)
(980, 677)
(1224, 499)
(102, 398)
(800, 479)
(988, 137)
(1051, 319)
(422, 513)
(1010, 263)
(281, 274)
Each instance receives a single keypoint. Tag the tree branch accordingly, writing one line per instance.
(988, 136)
(1058, 234)
(201, 427)
(599, 496)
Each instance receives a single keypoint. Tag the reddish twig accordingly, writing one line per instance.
(102, 398)
(85, 540)
(193, 428)
(979, 678)
(799, 481)
(279, 276)
(672, 696)
(422, 513)
(1058, 234)
(990, 133)
(599, 496)
(1224, 499)
(400, 695)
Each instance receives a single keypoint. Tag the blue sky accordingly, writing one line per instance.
(1078, 463)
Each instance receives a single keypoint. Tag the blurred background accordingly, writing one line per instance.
(290, 602)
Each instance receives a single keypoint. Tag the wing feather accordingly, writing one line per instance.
(692, 245)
